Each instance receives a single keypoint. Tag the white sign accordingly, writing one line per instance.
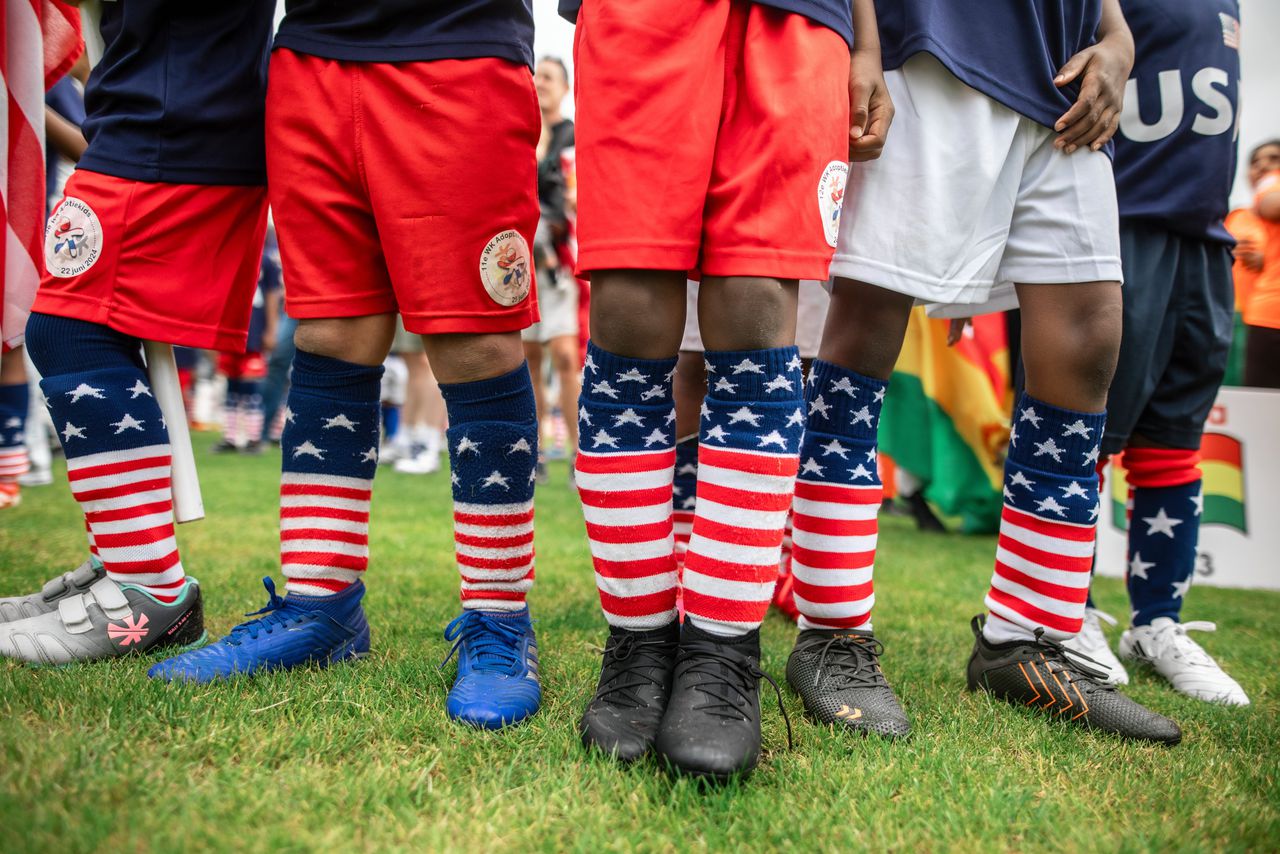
(1240, 526)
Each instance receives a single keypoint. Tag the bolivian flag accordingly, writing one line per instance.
(946, 415)
(1221, 462)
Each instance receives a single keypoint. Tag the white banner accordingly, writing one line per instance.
(1240, 525)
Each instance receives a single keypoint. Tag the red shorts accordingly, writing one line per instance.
(710, 134)
(407, 186)
(242, 366)
(167, 262)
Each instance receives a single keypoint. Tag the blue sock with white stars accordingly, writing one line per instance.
(493, 449)
(1164, 528)
(1048, 525)
(116, 445)
(14, 400)
(329, 455)
(751, 428)
(838, 496)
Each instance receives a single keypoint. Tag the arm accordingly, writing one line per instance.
(870, 108)
(64, 136)
(1102, 69)
(1269, 205)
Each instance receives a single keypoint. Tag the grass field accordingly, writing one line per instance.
(97, 758)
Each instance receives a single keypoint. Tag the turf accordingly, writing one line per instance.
(361, 757)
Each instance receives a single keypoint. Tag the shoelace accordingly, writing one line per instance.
(278, 613)
(1077, 664)
(1185, 648)
(855, 668)
(494, 643)
(721, 689)
(634, 658)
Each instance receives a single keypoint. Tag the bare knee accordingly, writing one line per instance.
(459, 358)
(865, 327)
(1070, 342)
(362, 340)
(638, 313)
(747, 312)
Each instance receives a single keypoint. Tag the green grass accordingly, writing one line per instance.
(97, 758)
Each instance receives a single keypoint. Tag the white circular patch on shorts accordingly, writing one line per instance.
(831, 198)
(505, 268)
(72, 239)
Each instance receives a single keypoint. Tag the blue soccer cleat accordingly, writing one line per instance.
(295, 630)
(497, 682)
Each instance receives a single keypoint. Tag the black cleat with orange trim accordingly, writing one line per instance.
(1061, 683)
(837, 674)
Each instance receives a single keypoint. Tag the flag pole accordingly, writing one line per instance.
(188, 504)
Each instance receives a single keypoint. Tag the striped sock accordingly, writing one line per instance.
(684, 493)
(14, 400)
(624, 471)
(752, 425)
(118, 464)
(1166, 499)
(838, 495)
(493, 448)
(329, 454)
(231, 413)
(1048, 525)
(251, 411)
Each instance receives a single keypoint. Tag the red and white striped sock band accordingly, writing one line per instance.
(324, 531)
(494, 547)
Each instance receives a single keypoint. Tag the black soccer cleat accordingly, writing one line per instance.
(712, 726)
(837, 674)
(635, 681)
(1060, 682)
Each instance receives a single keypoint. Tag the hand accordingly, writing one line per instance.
(956, 330)
(870, 107)
(1102, 69)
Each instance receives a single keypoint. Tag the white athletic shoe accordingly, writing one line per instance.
(1092, 642)
(423, 462)
(1166, 647)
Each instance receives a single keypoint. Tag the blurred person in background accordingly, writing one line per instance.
(1262, 309)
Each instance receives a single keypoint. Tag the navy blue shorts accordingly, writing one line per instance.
(1178, 311)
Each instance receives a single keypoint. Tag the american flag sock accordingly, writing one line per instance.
(231, 413)
(251, 411)
(14, 400)
(329, 454)
(838, 495)
(752, 424)
(684, 494)
(118, 464)
(1048, 525)
(1164, 528)
(624, 471)
(493, 448)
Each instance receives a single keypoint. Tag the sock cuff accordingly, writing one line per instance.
(508, 397)
(64, 345)
(1054, 440)
(1161, 467)
(15, 397)
(610, 378)
(335, 379)
(755, 375)
(841, 402)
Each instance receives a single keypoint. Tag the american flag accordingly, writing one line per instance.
(39, 42)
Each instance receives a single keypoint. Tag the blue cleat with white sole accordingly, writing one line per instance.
(293, 631)
(497, 684)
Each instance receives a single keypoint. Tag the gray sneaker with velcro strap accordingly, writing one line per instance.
(70, 583)
(106, 621)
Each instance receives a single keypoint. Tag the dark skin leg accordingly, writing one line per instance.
(690, 389)
(865, 328)
(1070, 342)
(747, 312)
(638, 313)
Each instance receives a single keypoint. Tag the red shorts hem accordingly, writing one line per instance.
(475, 324)
(139, 324)
(343, 305)
(773, 263)
(637, 255)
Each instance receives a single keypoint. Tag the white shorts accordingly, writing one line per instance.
(811, 317)
(970, 197)
(558, 306)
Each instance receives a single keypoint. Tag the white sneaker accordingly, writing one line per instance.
(1165, 646)
(423, 462)
(1093, 643)
(36, 477)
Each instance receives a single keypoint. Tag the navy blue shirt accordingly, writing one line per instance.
(1175, 154)
(180, 92)
(409, 30)
(836, 14)
(1009, 50)
(268, 284)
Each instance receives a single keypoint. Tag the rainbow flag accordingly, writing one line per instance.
(1221, 461)
(946, 416)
